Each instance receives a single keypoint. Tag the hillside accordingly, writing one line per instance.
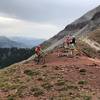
(10, 56)
(90, 44)
(80, 28)
(95, 35)
(16, 49)
(61, 78)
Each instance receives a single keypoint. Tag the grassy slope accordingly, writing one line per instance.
(49, 82)
(87, 49)
(95, 35)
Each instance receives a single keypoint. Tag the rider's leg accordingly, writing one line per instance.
(42, 59)
(72, 49)
(73, 53)
(38, 59)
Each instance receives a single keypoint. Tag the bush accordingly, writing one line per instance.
(47, 86)
(37, 91)
(44, 66)
(10, 97)
(60, 82)
(21, 90)
(87, 98)
(31, 73)
(28, 72)
(82, 71)
(72, 87)
(82, 82)
(10, 56)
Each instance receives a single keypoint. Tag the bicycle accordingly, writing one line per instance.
(40, 59)
(68, 50)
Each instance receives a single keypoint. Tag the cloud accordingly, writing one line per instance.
(52, 11)
(40, 18)
(15, 27)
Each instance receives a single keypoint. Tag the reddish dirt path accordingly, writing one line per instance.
(70, 68)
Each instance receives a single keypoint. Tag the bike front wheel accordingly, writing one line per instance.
(42, 60)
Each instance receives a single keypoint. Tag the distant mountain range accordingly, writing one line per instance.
(28, 42)
(7, 43)
(19, 42)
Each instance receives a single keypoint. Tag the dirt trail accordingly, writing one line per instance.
(70, 67)
(95, 60)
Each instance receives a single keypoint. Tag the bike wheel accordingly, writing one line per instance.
(42, 60)
(36, 60)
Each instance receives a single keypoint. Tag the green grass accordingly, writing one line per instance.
(87, 98)
(8, 85)
(31, 72)
(21, 90)
(72, 87)
(10, 97)
(37, 91)
(82, 82)
(60, 82)
(82, 71)
(60, 89)
(60, 98)
(47, 86)
(86, 49)
(40, 79)
(64, 88)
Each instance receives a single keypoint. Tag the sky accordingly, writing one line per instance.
(40, 18)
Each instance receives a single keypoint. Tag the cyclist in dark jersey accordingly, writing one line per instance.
(73, 44)
(73, 40)
(67, 41)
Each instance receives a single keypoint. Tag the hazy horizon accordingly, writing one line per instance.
(40, 18)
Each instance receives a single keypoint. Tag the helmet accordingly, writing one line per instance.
(39, 46)
(73, 36)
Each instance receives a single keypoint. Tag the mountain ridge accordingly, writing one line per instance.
(28, 41)
(80, 27)
(19, 42)
(7, 43)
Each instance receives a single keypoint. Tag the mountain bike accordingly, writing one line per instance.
(68, 51)
(40, 59)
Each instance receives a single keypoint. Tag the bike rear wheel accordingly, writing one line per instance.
(36, 60)
(42, 60)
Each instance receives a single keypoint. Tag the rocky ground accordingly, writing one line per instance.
(60, 78)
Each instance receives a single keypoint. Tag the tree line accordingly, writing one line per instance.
(10, 56)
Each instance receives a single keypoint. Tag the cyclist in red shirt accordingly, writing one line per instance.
(67, 41)
(38, 52)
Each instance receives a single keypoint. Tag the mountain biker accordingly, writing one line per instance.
(70, 43)
(38, 52)
(67, 41)
(73, 44)
(73, 40)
